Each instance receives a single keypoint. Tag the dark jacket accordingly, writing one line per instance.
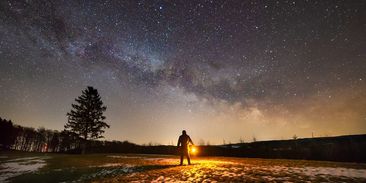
(184, 141)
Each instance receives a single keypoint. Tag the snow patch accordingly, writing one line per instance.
(19, 166)
(110, 169)
(24, 159)
(114, 165)
(346, 172)
(125, 157)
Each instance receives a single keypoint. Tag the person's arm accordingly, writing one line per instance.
(179, 142)
(190, 140)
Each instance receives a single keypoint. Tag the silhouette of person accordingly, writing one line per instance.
(183, 144)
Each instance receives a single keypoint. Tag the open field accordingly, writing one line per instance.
(37, 167)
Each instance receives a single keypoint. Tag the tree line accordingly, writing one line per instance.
(85, 124)
(16, 137)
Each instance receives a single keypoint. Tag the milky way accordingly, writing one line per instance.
(223, 70)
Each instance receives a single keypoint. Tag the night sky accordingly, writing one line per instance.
(222, 70)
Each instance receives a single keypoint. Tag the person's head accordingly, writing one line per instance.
(184, 132)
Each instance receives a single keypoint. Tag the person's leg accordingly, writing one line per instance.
(188, 157)
(181, 157)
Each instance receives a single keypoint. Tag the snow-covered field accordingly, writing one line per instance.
(18, 166)
(28, 167)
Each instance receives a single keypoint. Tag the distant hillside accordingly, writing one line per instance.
(351, 148)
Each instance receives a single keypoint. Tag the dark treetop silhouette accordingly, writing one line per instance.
(183, 142)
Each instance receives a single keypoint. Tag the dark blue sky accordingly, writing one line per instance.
(220, 69)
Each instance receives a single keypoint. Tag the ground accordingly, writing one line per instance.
(41, 167)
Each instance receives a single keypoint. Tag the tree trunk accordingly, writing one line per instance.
(83, 145)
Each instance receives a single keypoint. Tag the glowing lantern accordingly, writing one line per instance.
(193, 150)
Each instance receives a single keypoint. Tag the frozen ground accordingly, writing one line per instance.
(18, 166)
(30, 167)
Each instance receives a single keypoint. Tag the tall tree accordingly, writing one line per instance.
(86, 119)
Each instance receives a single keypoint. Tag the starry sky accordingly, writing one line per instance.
(222, 70)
